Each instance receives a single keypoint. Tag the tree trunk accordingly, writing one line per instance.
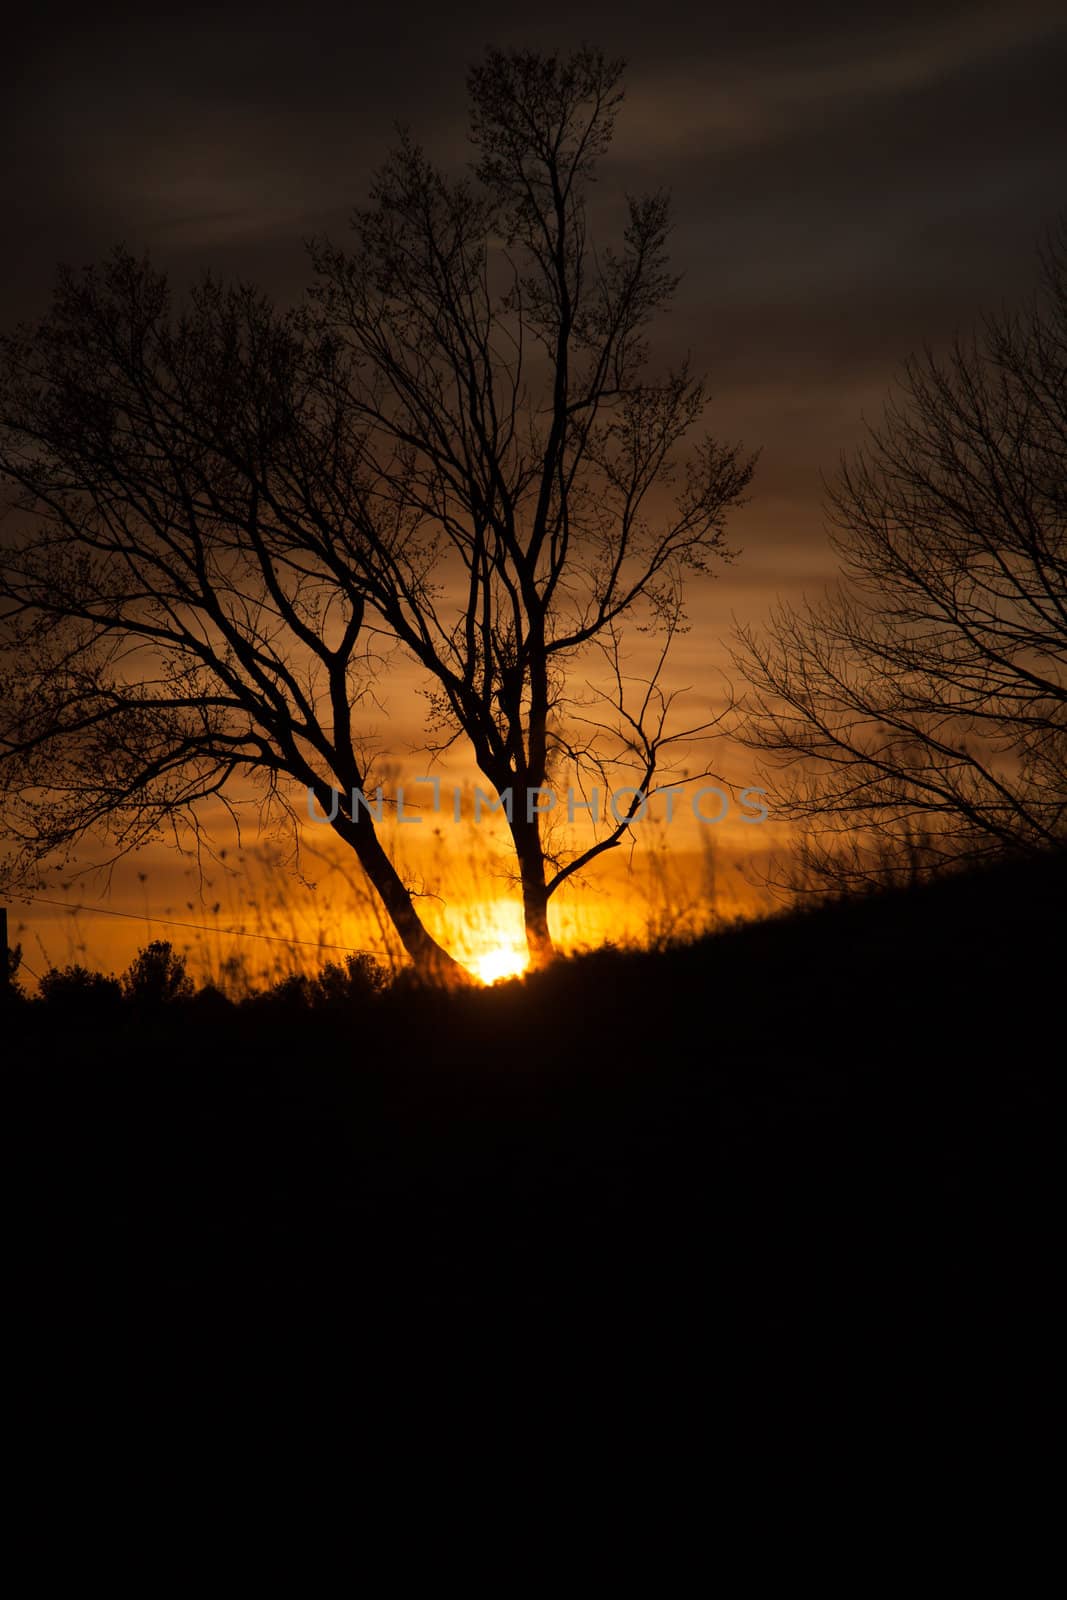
(531, 858)
(430, 960)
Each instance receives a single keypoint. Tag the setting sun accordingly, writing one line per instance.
(505, 961)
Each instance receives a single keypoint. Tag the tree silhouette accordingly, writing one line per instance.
(74, 991)
(176, 612)
(156, 976)
(459, 445)
(516, 458)
(917, 716)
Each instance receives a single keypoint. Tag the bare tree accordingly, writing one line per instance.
(169, 633)
(520, 490)
(917, 715)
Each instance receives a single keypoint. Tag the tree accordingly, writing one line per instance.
(917, 716)
(156, 976)
(75, 991)
(458, 444)
(174, 623)
(516, 451)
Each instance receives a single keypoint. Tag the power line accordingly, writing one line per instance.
(199, 927)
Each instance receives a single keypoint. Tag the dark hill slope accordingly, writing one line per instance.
(798, 1140)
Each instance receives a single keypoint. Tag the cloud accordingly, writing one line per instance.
(711, 104)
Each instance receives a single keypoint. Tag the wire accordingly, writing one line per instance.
(200, 927)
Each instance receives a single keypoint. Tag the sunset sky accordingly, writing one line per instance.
(845, 189)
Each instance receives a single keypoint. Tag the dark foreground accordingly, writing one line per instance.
(805, 1161)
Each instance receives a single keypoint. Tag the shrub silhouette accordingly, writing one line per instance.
(357, 978)
(289, 994)
(339, 986)
(156, 976)
(75, 990)
(209, 1001)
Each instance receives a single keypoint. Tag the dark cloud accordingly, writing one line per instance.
(847, 185)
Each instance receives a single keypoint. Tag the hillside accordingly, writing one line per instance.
(795, 1141)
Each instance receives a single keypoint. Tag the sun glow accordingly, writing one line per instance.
(503, 961)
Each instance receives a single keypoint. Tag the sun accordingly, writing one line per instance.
(504, 961)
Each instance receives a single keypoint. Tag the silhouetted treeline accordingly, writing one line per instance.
(157, 978)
